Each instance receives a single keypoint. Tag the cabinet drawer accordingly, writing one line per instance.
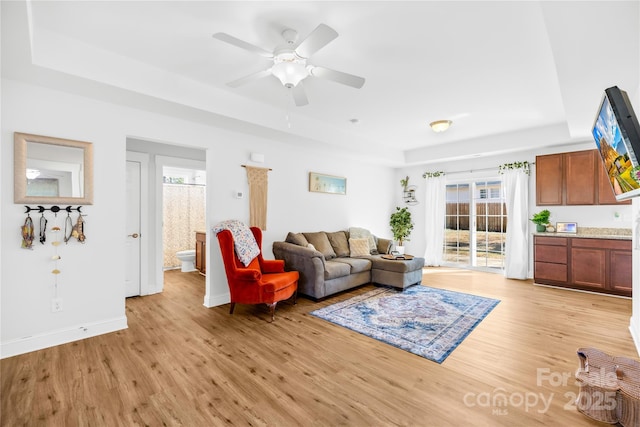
(601, 244)
(553, 241)
(548, 271)
(553, 254)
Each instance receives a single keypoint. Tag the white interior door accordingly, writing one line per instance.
(132, 246)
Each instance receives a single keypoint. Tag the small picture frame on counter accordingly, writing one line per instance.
(566, 227)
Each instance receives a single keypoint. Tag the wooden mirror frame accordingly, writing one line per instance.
(20, 141)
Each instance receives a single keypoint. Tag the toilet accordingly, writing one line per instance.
(188, 259)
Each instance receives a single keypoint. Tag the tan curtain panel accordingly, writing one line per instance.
(258, 185)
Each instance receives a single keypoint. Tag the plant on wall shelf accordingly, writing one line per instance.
(405, 183)
(541, 219)
(401, 224)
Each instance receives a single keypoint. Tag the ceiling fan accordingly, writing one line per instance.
(290, 61)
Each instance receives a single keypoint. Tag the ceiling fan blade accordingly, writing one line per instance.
(242, 44)
(250, 78)
(319, 38)
(299, 95)
(338, 76)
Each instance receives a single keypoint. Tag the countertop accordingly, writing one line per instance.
(593, 233)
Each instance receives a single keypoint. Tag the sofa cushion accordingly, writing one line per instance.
(334, 269)
(363, 233)
(339, 243)
(358, 265)
(321, 242)
(297, 239)
(359, 247)
(384, 246)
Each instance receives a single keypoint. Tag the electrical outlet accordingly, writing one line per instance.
(56, 305)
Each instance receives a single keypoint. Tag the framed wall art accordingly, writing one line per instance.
(320, 183)
(566, 227)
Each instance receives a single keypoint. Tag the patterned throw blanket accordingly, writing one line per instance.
(244, 243)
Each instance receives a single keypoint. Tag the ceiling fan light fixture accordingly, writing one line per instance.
(290, 61)
(440, 125)
(289, 69)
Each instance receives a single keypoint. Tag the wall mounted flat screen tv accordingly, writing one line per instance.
(617, 135)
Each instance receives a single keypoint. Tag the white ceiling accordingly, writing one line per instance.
(510, 74)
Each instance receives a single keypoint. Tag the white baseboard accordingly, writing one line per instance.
(635, 333)
(216, 300)
(61, 336)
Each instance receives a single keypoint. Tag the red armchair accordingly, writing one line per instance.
(262, 281)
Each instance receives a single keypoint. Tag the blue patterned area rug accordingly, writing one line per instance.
(429, 322)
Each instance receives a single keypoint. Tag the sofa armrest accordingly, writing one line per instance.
(286, 248)
(247, 274)
(384, 245)
(309, 263)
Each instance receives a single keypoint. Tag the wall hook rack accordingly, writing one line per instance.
(55, 209)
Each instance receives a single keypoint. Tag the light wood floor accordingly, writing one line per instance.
(182, 364)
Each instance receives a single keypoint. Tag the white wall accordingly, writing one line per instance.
(92, 279)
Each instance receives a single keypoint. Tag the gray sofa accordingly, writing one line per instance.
(329, 263)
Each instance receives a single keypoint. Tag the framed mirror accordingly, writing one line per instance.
(51, 170)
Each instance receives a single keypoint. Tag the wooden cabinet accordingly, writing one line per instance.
(550, 260)
(588, 264)
(574, 178)
(620, 279)
(580, 178)
(605, 192)
(600, 265)
(550, 180)
(201, 252)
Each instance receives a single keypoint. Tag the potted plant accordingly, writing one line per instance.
(541, 220)
(401, 226)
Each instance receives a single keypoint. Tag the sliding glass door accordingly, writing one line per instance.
(475, 226)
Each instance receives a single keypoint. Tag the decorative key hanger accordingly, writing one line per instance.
(55, 209)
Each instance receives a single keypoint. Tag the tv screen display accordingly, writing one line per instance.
(617, 135)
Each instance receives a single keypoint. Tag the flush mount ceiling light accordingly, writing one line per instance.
(440, 125)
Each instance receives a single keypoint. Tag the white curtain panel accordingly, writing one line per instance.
(516, 188)
(435, 209)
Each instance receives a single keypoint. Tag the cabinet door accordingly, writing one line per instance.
(200, 251)
(620, 272)
(580, 178)
(588, 267)
(549, 180)
(605, 192)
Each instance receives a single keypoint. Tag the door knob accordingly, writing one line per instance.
(134, 235)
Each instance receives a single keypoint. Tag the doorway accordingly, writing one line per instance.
(183, 212)
(147, 259)
(475, 225)
(137, 207)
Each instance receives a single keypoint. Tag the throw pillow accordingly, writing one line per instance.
(384, 246)
(320, 241)
(296, 239)
(359, 247)
(363, 233)
(339, 243)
